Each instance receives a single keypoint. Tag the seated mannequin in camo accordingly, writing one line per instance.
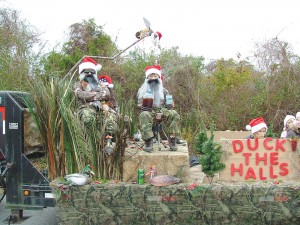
(91, 96)
(153, 87)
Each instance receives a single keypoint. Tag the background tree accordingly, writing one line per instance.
(275, 58)
(85, 38)
(20, 50)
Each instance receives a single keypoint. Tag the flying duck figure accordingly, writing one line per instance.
(145, 32)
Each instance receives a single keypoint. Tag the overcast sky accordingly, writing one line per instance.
(209, 28)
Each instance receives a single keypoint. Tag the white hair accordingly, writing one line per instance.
(157, 89)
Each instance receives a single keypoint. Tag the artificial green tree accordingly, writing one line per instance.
(210, 160)
(270, 132)
(201, 138)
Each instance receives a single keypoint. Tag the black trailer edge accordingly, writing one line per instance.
(23, 184)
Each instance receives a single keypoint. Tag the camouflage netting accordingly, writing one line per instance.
(235, 204)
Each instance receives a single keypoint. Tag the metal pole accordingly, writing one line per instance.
(104, 57)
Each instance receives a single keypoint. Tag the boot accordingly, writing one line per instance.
(172, 143)
(148, 145)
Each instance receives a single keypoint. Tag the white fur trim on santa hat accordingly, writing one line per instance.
(89, 65)
(153, 70)
(248, 127)
(287, 118)
(297, 115)
(108, 84)
(257, 127)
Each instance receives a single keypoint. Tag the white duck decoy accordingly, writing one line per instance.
(137, 136)
(78, 179)
(85, 177)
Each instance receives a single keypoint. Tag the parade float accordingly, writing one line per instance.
(259, 182)
(259, 185)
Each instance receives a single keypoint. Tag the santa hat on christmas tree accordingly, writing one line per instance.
(88, 63)
(106, 80)
(256, 124)
(153, 69)
(286, 119)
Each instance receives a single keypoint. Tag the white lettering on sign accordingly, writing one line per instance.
(13, 126)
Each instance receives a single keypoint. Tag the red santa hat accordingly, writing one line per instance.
(88, 63)
(256, 124)
(153, 69)
(156, 37)
(106, 80)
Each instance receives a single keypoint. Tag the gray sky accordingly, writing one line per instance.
(211, 28)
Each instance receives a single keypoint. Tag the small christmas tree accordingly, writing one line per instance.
(270, 132)
(210, 159)
(201, 139)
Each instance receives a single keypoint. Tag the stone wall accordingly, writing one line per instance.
(174, 163)
(182, 204)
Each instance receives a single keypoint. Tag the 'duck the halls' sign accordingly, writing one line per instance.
(260, 159)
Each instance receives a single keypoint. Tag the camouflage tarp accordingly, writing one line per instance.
(235, 204)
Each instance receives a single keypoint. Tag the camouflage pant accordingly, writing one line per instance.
(91, 118)
(171, 121)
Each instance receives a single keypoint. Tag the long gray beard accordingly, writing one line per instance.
(157, 90)
(91, 81)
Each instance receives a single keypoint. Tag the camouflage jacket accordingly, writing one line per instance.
(90, 98)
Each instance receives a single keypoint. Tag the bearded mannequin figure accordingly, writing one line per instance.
(152, 100)
(91, 96)
(154, 85)
(89, 80)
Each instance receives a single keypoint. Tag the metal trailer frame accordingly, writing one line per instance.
(24, 186)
